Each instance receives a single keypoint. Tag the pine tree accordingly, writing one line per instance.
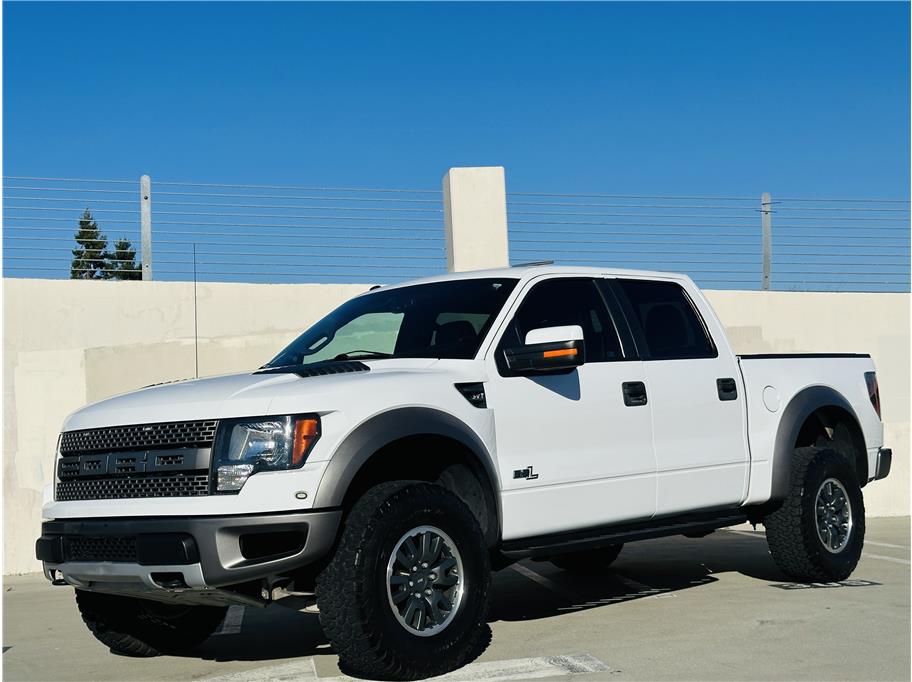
(122, 261)
(90, 258)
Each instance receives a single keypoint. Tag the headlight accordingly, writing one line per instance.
(246, 446)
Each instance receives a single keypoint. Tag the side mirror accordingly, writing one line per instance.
(549, 350)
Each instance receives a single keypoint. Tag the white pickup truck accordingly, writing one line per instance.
(423, 433)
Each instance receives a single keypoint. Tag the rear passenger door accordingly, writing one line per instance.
(694, 389)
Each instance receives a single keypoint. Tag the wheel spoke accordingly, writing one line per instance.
(444, 602)
(436, 615)
(410, 550)
(401, 596)
(447, 580)
(420, 615)
(431, 550)
(444, 566)
(410, 610)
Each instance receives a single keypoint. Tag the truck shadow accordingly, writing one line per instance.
(653, 569)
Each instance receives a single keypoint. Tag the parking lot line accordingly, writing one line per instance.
(488, 671)
(545, 582)
(886, 544)
(885, 558)
(233, 622)
(865, 555)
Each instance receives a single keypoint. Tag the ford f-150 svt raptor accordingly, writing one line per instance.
(423, 433)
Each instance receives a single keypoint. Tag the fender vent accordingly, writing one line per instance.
(318, 369)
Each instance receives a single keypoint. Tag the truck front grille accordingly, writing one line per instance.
(139, 437)
(119, 549)
(175, 484)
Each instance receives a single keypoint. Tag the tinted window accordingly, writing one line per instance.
(670, 325)
(438, 320)
(562, 302)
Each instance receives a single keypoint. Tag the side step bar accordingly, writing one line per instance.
(593, 538)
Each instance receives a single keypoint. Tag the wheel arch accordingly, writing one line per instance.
(815, 412)
(388, 447)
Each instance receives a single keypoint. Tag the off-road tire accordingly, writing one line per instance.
(352, 596)
(589, 562)
(791, 530)
(143, 628)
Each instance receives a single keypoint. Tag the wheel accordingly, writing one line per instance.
(142, 628)
(405, 594)
(590, 562)
(818, 532)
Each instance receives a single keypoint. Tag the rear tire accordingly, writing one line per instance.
(590, 562)
(818, 533)
(142, 628)
(401, 537)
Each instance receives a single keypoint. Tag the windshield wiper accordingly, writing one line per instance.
(363, 355)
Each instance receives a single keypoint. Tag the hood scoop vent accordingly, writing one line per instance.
(318, 369)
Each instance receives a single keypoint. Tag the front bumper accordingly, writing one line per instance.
(168, 553)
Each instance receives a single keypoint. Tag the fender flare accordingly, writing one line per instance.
(802, 405)
(387, 427)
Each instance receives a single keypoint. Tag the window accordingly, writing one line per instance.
(562, 302)
(376, 332)
(446, 319)
(668, 321)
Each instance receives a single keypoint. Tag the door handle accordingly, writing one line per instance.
(728, 389)
(634, 393)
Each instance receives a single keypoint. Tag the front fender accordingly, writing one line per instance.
(387, 427)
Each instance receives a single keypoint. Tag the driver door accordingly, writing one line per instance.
(572, 454)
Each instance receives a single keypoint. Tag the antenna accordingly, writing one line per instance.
(196, 355)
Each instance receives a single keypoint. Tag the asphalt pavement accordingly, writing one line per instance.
(714, 608)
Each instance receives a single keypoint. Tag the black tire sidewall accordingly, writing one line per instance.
(453, 518)
(828, 464)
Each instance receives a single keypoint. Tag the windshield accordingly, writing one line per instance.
(438, 320)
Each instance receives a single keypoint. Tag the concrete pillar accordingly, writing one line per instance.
(475, 216)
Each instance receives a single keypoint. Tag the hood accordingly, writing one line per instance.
(251, 394)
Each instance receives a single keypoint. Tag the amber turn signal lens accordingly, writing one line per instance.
(306, 433)
(563, 352)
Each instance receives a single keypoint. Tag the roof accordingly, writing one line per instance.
(523, 272)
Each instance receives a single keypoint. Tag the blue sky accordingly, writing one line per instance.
(718, 99)
(684, 98)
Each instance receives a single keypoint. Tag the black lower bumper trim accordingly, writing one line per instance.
(884, 462)
(220, 544)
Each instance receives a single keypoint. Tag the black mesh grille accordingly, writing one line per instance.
(122, 549)
(177, 484)
(138, 437)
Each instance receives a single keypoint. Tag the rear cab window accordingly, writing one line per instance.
(664, 320)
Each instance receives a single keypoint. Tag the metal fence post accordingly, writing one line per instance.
(145, 223)
(766, 222)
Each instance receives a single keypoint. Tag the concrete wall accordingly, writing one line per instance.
(809, 322)
(67, 343)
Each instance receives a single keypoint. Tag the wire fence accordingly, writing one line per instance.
(231, 232)
(815, 244)
(284, 233)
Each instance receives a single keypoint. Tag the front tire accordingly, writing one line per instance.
(405, 595)
(818, 533)
(142, 628)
